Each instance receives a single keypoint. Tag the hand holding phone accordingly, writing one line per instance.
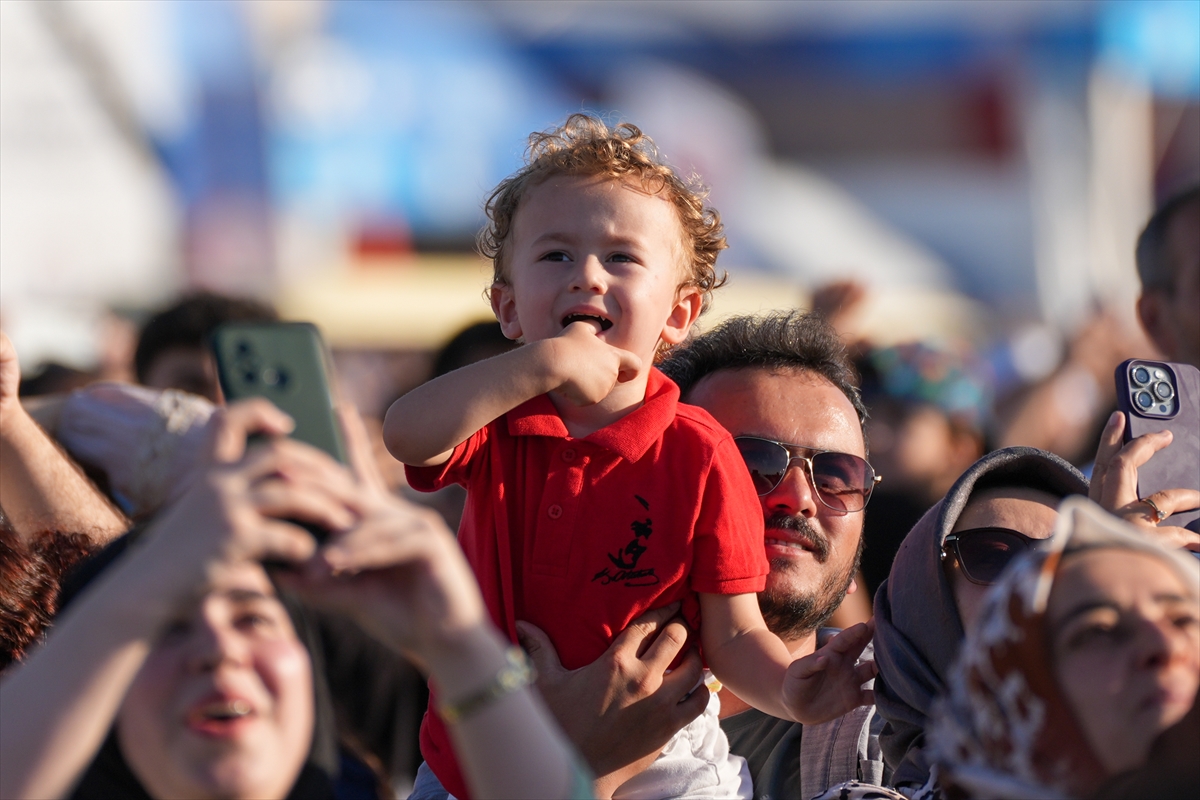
(286, 363)
(1141, 472)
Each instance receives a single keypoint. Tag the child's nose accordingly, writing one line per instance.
(590, 276)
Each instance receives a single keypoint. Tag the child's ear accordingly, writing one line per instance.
(685, 312)
(504, 306)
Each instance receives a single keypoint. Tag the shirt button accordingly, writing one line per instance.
(568, 455)
(554, 512)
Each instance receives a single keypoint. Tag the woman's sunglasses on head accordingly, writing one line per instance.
(983, 553)
(843, 482)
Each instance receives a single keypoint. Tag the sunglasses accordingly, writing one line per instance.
(983, 553)
(843, 482)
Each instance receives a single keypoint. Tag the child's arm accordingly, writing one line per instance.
(758, 668)
(425, 425)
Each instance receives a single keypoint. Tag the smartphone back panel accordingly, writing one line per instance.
(285, 362)
(1150, 406)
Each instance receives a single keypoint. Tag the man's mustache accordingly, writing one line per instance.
(786, 522)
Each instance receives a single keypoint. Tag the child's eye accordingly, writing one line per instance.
(623, 258)
(556, 255)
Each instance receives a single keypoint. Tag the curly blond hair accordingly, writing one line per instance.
(585, 145)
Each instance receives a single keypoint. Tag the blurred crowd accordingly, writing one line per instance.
(167, 630)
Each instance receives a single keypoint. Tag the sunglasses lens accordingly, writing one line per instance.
(986, 552)
(844, 481)
(766, 461)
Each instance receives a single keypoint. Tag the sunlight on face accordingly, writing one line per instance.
(1125, 636)
(223, 706)
(596, 248)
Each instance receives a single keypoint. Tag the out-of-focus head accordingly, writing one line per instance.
(172, 350)
(786, 378)
(223, 705)
(1004, 504)
(1084, 654)
(1168, 262)
(929, 411)
(473, 343)
(586, 147)
(228, 703)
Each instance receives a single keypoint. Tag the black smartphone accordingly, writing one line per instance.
(288, 364)
(1162, 395)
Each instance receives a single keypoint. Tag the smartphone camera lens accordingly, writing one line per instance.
(250, 376)
(1144, 400)
(1163, 390)
(1141, 376)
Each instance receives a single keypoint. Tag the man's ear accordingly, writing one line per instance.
(685, 312)
(504, 306)
(1150, 313)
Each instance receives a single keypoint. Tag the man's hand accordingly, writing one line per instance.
(1114, 485)
(828, 683)
(591, 366)
(622, 709)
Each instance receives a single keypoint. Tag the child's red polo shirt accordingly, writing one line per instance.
(581, 536)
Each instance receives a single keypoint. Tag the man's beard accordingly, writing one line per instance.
(791, 614)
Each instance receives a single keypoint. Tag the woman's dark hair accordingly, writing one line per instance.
(29, 580)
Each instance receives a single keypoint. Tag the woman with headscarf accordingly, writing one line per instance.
(178, 671)
(1085, 654)
(939, 575)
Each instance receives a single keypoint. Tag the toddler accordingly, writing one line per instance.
(593, 494)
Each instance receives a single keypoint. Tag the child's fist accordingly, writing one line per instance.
(829, 683)
(590, 366)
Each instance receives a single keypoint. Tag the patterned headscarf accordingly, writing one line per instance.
(1006, 730)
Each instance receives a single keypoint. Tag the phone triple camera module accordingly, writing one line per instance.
(1151, 389)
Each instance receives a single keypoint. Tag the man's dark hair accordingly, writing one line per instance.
(774, 341)
(189, 323)
(1153, 261)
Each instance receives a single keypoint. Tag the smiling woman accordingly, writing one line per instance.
(178, 670)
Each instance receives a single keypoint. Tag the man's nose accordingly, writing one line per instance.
(794, 495)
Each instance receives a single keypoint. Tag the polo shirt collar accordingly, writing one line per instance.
(629, 437)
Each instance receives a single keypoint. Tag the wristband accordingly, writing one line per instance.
(515, 675)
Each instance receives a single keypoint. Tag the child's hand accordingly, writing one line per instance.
(828, 683)
(591, 367)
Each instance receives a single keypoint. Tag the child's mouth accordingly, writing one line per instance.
(604, 324)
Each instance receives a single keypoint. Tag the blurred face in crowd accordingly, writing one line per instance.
(190, 369)
(1170, 317)
(1125, 638)
(812, 548)
(918, 448)
(1027, 511)
(223, 706)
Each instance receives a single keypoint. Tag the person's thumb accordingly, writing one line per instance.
(539, 648)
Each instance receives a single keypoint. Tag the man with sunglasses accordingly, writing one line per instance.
(784, 387)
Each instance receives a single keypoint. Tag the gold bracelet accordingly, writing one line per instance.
(515, 675)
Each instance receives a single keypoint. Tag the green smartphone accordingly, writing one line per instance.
(288, 364)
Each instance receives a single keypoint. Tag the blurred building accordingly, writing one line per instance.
(982, 165)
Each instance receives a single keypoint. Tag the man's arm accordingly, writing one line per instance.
(41, 489)
(621, 709)
(425, 425)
